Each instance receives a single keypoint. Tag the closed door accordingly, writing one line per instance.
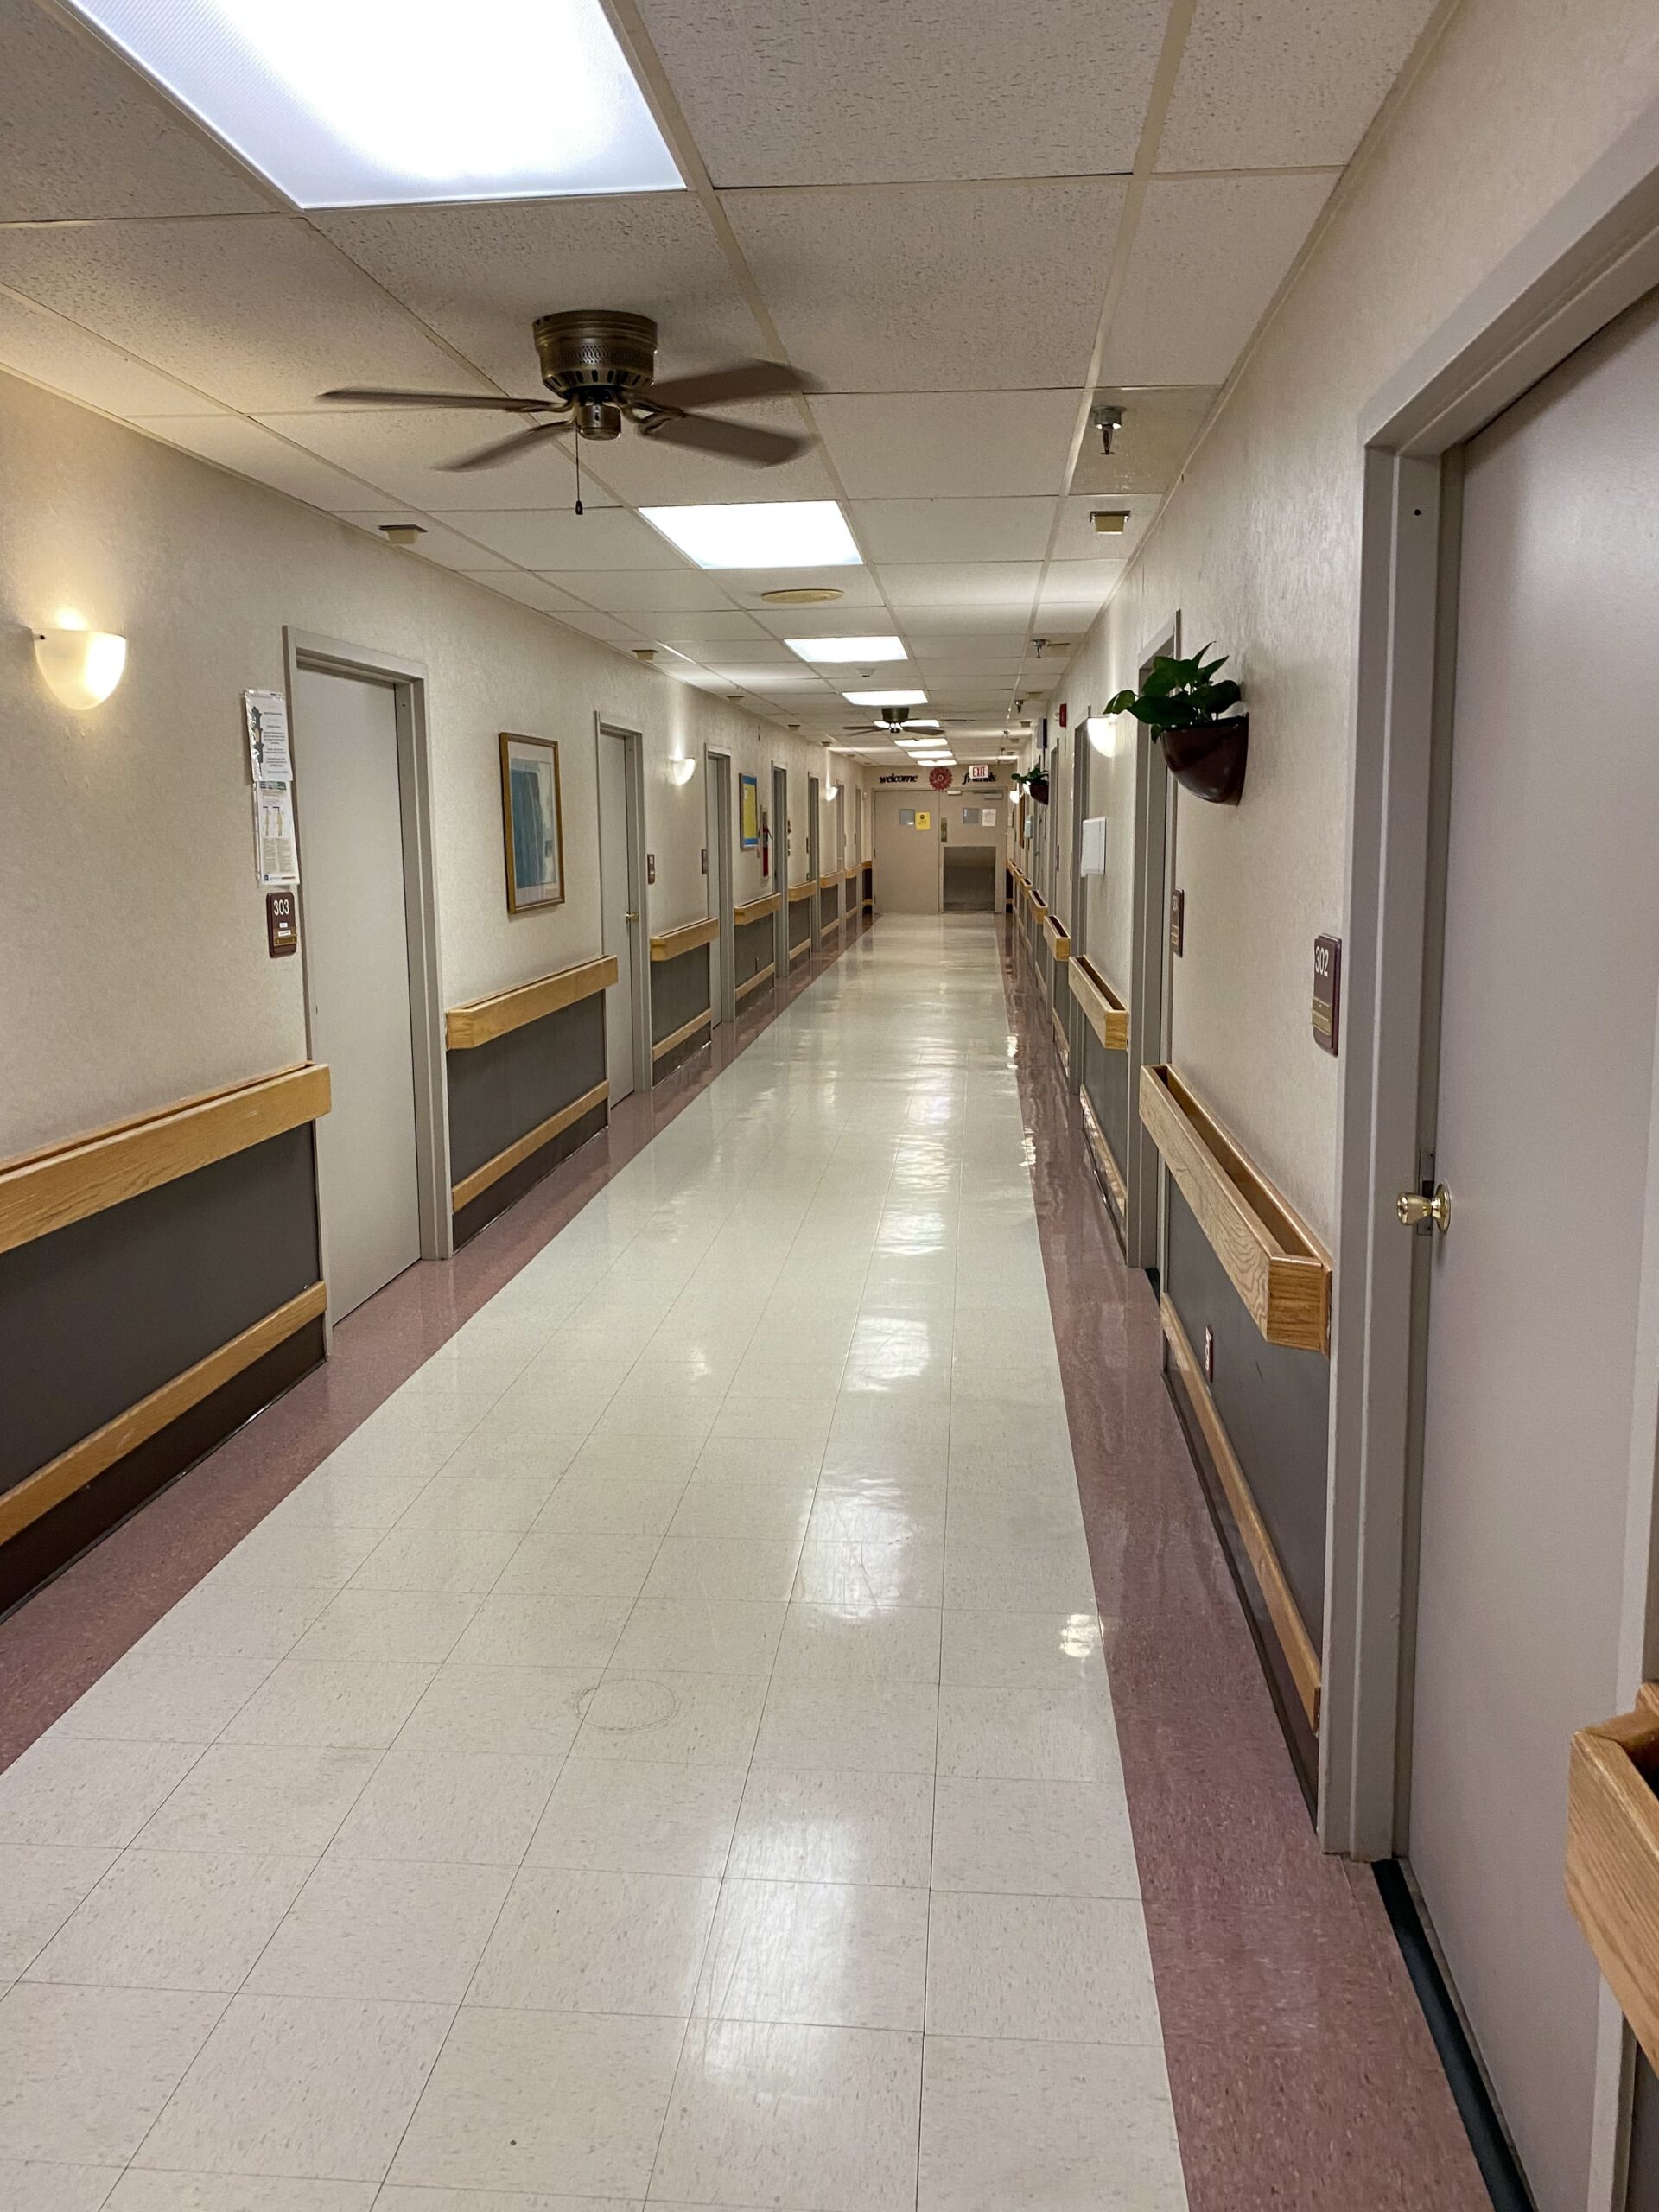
(971, 828)
(618, 913)
(1545, 1092)
(911, 856)
(722, 970)
(355, 932)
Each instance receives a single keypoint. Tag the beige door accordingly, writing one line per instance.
(972, 858)
(1545, 1095)
(354, 932)
(908, 855)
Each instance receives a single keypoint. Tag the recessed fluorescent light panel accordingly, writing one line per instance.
(886, 698)
(853, 649)
(388, 103)
(767, 534)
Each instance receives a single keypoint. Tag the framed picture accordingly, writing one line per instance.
(748, 812)
(532, 822)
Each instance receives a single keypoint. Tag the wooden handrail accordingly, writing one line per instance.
(756, 911)
(669, 944)
(1102, 1009)
(47, 1189)
(703, 1020)
(480, 1020)
(800, 891)
(1612, 1856)
(1274, 1262)
(1060, 938)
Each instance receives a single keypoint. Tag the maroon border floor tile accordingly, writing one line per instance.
(1303, 2075)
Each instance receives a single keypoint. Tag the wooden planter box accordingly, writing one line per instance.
(1274, 1262)
(1612, 1856)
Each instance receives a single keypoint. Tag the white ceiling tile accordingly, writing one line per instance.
(54, 352)
(958, 288)
(480, 276)
(1209, 254)
(1286, 87)
(1008, 584)
(557, 540)
(85, 135)
(1154, 438)
(766, 676)
(400, 450)
(944, 445)
(945, 628)
(1077, 538)
(953, 529)
(648, 473)
(648, 591)
(255, 310)
(695, 632)
(608, 628)
(446, 547)
(529, 591)
(840, 91)
(1079, 583)
(252, 451)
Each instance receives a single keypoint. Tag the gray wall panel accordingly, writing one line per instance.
(499, 1092)
(679, 991)
(754, 944)
(99, 1314)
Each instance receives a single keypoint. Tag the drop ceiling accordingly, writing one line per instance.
(925, 210)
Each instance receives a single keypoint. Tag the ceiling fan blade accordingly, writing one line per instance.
(508, 449)
(742, 380)
(439, 399)
(734, 441)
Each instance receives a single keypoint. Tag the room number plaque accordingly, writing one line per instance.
(282, 923)
(1327, 991)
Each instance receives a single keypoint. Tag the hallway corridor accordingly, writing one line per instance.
(665, 1752)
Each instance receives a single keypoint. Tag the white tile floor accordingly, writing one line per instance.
(667, 1754)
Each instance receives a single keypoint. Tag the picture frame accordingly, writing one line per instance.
(748, 812)
(532, 822)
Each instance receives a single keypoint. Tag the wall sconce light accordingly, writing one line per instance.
(81, 666)
(681, 772)
(1101, 730)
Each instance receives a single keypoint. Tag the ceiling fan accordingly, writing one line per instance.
(599, 365)
(894, 719)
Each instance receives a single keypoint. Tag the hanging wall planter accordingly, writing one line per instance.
(1181, 705)
(1034, 784)
(1208, 759)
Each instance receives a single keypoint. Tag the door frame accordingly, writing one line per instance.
(308, 651)
(718, 809)
(777, 831)
(633, 780)
(1593, 255)
(815, 850)
(1150, 973)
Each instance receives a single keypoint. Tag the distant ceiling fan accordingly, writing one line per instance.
(894, 719)
(599, 365)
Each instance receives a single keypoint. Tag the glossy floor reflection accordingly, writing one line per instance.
(665, 1754)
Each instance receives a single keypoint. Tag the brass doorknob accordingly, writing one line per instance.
(1415, 1212)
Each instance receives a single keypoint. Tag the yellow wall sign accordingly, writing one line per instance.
(924, 819)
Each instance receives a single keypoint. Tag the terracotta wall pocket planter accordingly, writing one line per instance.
(1612, 1856)
(1209, 761)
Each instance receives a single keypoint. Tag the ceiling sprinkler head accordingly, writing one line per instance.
(1107, 420)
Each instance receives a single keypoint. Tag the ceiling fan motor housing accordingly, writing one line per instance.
(596, 359)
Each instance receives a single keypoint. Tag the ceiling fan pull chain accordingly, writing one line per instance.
(578, 446)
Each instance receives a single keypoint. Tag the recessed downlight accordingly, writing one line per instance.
(373, 106)
(761, 534)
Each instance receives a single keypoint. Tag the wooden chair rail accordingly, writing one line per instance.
(1102, 1009)
(1612, 1856)
(1282, 1610)
(761, 975)
(462, 1193)
(1276, 1264)
(47, 1189)
(687, 1029)
(669, 944)
(800, 891)
(479, 1020)
(72, 1470)
(756, 911)
(1110, 1173)
(1060, 938)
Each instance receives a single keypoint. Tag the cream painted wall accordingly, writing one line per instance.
(1258, 547)
(133, 969)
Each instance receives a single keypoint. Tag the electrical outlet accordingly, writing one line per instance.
(1208, 1354)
